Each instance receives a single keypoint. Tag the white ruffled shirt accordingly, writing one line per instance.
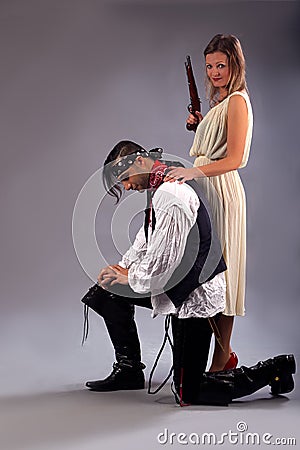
(152, 264)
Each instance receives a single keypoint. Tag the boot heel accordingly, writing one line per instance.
(282, 384)
(282, 380)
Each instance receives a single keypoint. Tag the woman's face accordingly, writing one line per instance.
(217, 69)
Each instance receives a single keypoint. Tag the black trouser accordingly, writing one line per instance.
(191, 336)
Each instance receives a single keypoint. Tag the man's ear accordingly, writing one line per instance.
(140, 161)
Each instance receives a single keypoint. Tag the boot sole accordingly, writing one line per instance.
(123, 388)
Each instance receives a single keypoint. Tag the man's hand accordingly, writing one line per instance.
(106, 276)
(111, 275)
(121, 275)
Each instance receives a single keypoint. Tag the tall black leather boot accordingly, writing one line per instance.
(276, 372)
(190, 353)
(127, 374)
(216, 392)
(118, 314)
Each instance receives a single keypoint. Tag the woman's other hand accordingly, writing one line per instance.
(194, 119)
(182, 174)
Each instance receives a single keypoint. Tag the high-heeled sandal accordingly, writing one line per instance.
(232, 362)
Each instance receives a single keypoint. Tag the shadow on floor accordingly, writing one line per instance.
(60, 417)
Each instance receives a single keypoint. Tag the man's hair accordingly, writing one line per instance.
(231, 47)
(123, 148)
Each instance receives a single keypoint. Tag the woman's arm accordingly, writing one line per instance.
(237, 125)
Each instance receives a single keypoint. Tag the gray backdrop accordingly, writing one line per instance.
(78, 76)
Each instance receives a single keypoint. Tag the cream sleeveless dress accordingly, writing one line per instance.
(226, 196)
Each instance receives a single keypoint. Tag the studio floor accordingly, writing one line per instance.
(78, 419)
(44, 404)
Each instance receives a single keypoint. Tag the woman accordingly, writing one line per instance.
(221, 146)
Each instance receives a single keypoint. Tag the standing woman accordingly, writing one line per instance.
(221, 146)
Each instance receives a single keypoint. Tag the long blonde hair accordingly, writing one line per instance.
(231, 47)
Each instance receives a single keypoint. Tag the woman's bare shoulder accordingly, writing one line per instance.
(238, 100)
